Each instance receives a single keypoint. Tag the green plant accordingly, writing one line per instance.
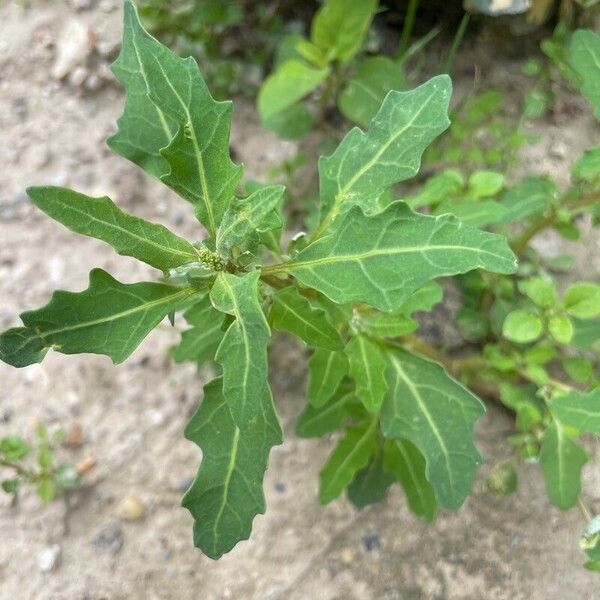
(47, 477)
(349, 289)
(329, 63)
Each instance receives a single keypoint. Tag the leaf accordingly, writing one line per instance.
(366, 164)
(522, 326)
(375, 76)
(102, 219)
(371, 484)
(484, 184)
(584, 56)
(292, 81)
(578, 410)
(243, 350)
(382, 259)
(227, 493)
(339, 27)
(586, 333)
(561, 459)
(404, 461)
(200, 343)
(590, 543)
(294, 313)
(560, 328)
(201, 170)
(532, 196)
(292, 122)
(478, 214)
(583, 300)
(351, 454)
(424, 299)
(108, 317)
(430, 409)
(440, 187)
(247, 218)
(541, 291)
(326, 369)
(13, 448)
(387, 325)
(587, 166)
(367, 366)
(143, 128)
(316, 422)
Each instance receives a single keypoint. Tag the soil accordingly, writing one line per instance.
(132, 415)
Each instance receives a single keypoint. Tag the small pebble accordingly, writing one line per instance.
(131, 508)
(280, 487)
(558, 150)
(82, 4)
(109, 538)
(49, 558)
(371, 542)
(347, 555)
(85, 465)
(74, 436)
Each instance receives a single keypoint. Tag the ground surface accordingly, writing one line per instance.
(133, 415)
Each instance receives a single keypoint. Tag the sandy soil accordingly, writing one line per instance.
(133, 415)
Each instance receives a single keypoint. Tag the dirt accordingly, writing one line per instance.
(132, 415)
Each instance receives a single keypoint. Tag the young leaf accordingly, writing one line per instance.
(532, 196)
(326, 369)
(200, 343)
(375, 76)
(351, 454)
(404, 461)
(315, 422)
(367, 366)
(522, 326)
(427, 407)
(292, 81)
(201, 170)
(366, 164)
(584, 56)
(227, 493)
(587, 166)
(478, 214)
(102, 219)
(382, 259)
(371, 484)
(540, 291)
(425, 298)
(583, 300)
(339, 27)
(243, 351)
(109, 318)
(294, 313)
(561, 459)
(578, 410)
(248, 217)
(143, 128)
(560, 328)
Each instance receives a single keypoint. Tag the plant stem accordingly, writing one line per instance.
(522, 241)
(19, 470)
(456, 42)
(409, 23)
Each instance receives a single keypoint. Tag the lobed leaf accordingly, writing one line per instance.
(199, 165)
(315, 422)
(227, 493)
(108, 317)
(371, 484)
(404, 461)
(326, 370)
(530, 197)
(366, 164)
(578, 410)
(562, 459)
(430, 409)
(294, 313)
(382, 259)
(247, 218)
(102, 219)
(242, 352)
(367, 366)
(199, 343)
(351, 454)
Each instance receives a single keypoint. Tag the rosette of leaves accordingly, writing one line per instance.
(349, 291)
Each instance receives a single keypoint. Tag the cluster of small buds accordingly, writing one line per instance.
(210, 259)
